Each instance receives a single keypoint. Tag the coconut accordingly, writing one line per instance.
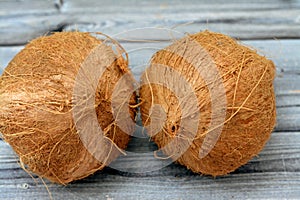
(37, 103)
(248, 102)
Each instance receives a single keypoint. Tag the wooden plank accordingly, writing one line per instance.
(276, 167)
(245, 19)
(284, 53)
(191, 12)
(20, 23)
(19, 30)
(287, 100)
(166, 5)
(16, 7)
(241, 25)
(253, 186)
(177, 5)
(11, 8)
(287, 84)
(288, 118)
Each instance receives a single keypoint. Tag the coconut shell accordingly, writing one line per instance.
(36, 105)
(249, 112)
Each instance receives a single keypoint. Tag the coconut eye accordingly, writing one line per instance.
(173, 128)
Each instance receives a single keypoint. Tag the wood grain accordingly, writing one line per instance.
(284, 53)
(20, 22)
(277, 166)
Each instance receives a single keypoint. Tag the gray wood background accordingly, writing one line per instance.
(272, 27)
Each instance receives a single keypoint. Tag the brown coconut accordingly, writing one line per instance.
(250, 103)
(36, 106)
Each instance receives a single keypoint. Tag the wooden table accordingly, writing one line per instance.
(272, 27)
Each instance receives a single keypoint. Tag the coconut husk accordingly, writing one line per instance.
(36, 103)
(249, 111)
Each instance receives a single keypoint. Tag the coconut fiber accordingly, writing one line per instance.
(250, 112)
(36, 106)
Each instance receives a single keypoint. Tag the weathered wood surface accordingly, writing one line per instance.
(274, 174)
(21, 21)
